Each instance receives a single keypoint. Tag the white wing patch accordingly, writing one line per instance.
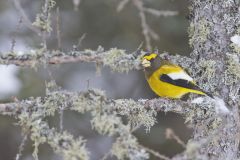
(180, 75)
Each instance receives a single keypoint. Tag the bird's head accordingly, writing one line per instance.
(150, 60)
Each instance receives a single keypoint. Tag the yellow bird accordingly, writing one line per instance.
(168, 80)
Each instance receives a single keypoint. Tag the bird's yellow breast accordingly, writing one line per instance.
(165, 89)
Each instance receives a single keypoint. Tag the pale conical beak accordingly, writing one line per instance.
(146, 63)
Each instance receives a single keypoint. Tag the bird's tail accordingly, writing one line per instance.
(200, 91)
(208, 94)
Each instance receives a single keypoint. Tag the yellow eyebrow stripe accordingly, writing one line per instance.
(151, 56)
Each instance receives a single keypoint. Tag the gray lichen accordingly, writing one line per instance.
(233, 68)
(43, 20)
(119, 60)
(70, 148)
(199, 31)
(136, 113)
(126, 147)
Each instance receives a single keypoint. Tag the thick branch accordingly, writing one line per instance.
(160, 104)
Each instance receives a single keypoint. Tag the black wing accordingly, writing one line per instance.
(179, 82)
(182, 83)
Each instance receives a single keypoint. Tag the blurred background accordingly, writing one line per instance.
(102, 25)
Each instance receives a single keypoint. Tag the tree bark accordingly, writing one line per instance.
(213, 23)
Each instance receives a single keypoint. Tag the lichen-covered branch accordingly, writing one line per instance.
(121, 106)
(117, 59)
(106, 119)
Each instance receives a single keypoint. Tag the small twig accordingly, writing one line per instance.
(144, 25)
(14, 34)
(21, 147)
(155, 153)
(61, 119)
(106, 155)
(159, 13)
(135, 128)
(147, 31)
(88, 83)
(121, 5)
(58, 29)
(76, 4)
(171, 135)
(25, 18)
(76, 47)
(46, 13)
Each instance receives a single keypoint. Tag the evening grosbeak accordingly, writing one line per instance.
(167, 79)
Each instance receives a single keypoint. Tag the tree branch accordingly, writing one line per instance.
(117, 59)
(119, 105)
(106, 112)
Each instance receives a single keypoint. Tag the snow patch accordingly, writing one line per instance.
(220, 106)
(217, 102)
(9, 83)
(236, 40)
(198, 100)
